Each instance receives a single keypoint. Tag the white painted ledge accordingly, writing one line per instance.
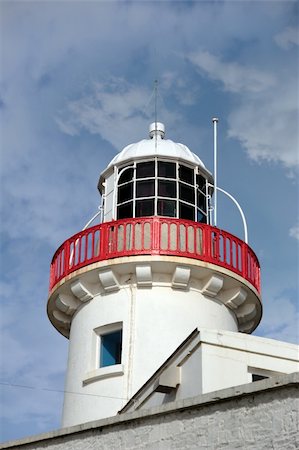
(104, 372)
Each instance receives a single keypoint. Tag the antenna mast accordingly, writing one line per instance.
(156, 97)
(215, 121)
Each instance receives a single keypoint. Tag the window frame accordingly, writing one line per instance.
(96, 372)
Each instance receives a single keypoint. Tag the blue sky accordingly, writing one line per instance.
(76, 85)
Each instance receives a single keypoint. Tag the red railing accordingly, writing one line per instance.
(155, 236)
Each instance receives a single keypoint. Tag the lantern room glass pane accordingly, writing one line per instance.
(145, 188)
(127, 175)
(145, 169)
(144, 208)
(166, 188)
(186, 211)
(125, 211)
(187, 193)
(166, 208)
(166, 169)
(201, 201)
(201, 217)
(125, 193)
(201, 182)
(186, 174)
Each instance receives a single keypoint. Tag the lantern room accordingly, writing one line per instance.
(156, 177)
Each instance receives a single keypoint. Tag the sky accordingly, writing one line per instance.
(76, 86)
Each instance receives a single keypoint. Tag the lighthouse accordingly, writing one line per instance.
(128, 291)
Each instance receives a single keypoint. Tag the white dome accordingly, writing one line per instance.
(156, 146)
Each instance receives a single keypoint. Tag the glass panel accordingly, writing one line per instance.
(187, 193)
(145, 188)
(111, 345)
(186, 174)
(201, 201)
(125, 211)
(186, 211)
(201, 217)
(126, 175)
(166, 169)
(125, 193)
(167, 208)
(201, 182)
(167, 188)
(145, 170)
(144, 208)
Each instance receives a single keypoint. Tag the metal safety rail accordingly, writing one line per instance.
(155, 236)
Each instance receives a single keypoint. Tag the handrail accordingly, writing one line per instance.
(155, 236)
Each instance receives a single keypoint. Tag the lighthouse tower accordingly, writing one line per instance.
(127, 292)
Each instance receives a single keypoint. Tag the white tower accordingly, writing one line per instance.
(128, 291)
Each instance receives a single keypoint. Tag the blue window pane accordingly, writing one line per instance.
(111, 345)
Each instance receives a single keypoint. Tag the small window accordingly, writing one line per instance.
(186, 174)
(166, 169)
(125, 211)
(167, 208)
(145, 170)
(167, 188)
(145, 188)
(144, 208)
(111, 346)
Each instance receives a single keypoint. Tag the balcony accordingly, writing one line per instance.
(155, 236)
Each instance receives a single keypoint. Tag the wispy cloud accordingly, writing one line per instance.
(265, 117)
(114, 109)
(234, 77)
(287, 38)
(294, 232)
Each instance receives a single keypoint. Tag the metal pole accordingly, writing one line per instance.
(215, 121)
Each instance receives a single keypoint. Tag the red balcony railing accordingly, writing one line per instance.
(155, 236)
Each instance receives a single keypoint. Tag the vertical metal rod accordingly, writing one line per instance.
(215, 121)
(156, 113)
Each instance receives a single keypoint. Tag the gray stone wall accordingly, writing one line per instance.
(256, 416)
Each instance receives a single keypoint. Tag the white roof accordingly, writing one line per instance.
(156, 146)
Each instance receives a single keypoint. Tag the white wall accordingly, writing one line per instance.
(155, 322)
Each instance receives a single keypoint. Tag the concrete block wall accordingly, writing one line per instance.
(256, 416)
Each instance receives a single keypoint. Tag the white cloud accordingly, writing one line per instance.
(235, 77)
(294, 232)
(267, 126)
(287, 38)
(265, 118)
(116, 110)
